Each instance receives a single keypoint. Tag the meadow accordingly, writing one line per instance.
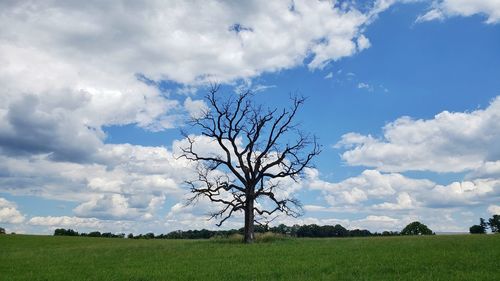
(454, 257)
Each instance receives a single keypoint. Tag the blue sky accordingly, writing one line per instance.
(403, 95)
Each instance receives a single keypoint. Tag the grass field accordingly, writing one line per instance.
(464, 257)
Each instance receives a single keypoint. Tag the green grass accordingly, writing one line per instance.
(464, 257)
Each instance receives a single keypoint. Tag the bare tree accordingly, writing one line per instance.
(259, 148)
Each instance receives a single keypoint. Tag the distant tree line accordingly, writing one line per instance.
(71, 232)
(312, 230)
(493, 224)
(309, 230)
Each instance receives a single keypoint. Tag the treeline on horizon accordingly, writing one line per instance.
(311, 231)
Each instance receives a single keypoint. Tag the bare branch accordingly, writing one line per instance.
(253, 151)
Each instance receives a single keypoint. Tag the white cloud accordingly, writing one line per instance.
(329, 75)
(123, 181)
(9, 212)
(315, 208)
(375, 192)
(363, 43)
(196, 216)
(369, 184)
(382, 5)
(433, 14)
(67, 70)
(479, 191)
(65, 221)
(449, 8)
(351, 140)
(439, 220)
(227, 40)
(377, 223)
(403, 202)
(195, 108)
(47, 224)
(118, 206)
(494, 209)
(450, 142)
(260, 88)
(365, 86)
(490, 169)
(389, 201)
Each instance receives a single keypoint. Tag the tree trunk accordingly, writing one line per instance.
(249, 220)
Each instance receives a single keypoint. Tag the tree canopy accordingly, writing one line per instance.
(494, 223)
(479, 228)
(416, 228)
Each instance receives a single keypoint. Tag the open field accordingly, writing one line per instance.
(460, 257)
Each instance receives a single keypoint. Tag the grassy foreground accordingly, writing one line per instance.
(465, 257)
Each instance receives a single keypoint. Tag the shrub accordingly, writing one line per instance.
(477, 229)
(65, 232)
(233, 238)
(267, 237)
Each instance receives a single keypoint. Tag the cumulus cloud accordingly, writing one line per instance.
(123, 182)
(196, 216)
(450, 142)
(118, 206)
(403, 201)
(9, 212)
(439, 220)
(70, 69)
(68, 123)
(65, 221)
(47, 224)
(195, 108)
(494, 209)
(374, 191)
(389, 201)
(490, 169)
(363, 43)
(370, 184)
(460, 142)
(154, 38)
(377, 223)
(442, 9)
(455, 194)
